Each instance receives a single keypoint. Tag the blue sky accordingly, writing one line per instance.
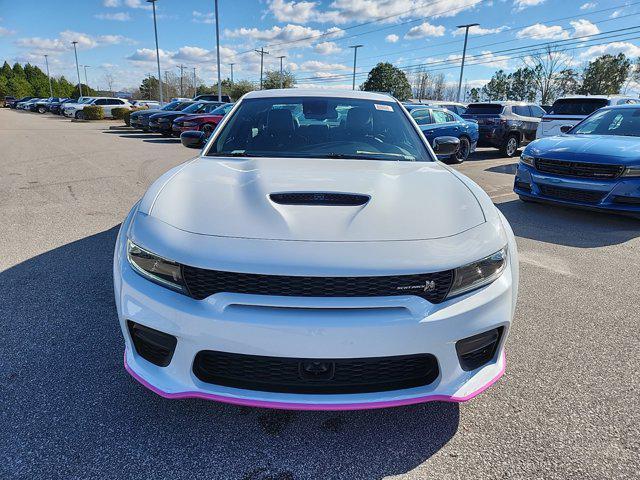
(116, 36)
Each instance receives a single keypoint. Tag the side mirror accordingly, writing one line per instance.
(192, 139)
(445, 145)
(566, 128)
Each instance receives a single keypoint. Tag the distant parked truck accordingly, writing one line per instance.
(569, 111)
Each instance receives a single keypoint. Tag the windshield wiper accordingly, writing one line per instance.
(368, 156)
(230, 154)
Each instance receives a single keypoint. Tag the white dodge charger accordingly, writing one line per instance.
(316, 255)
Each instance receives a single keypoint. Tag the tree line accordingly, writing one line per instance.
(30, 81)
(549, 75)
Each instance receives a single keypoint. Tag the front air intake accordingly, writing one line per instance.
(319, 198)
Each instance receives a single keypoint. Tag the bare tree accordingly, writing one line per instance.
(547, 66)
(109, 79)
(421, 83)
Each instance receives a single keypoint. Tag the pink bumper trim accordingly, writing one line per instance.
(307, 406)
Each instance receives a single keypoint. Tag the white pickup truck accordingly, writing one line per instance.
(568, 111)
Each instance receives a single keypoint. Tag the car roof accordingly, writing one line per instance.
(626, 105)
(598, 97)
(503, 102)
(325, 93)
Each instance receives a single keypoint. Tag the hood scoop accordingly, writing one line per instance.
(320, 198)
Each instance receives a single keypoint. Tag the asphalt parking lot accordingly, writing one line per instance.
(567, 407)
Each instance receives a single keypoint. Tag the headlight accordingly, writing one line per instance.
(189, 124)
(631, 172)
(155, 268)
(477, 274)
(527, 160)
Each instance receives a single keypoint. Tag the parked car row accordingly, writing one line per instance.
(180, 115)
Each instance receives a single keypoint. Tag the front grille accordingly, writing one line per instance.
(319, 198)
(578, 169)
(572, 194)
(201, 283)
(299, 375)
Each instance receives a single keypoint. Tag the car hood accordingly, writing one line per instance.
(594, 148)
(231, 198)
(146, 112)
(168, 114)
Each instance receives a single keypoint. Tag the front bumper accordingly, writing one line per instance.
(312, 328)
(620, 195)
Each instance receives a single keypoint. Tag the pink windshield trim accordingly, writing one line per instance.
(314, 406)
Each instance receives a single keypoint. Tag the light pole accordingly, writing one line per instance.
(464, 53)
(77, 67)
(195, 90)
(218, 52)
(355, 54)
(281, 75)
(86, 79)
(181, 67)
(46, 61)
(155, 29)
(231, 65)
(262, 53)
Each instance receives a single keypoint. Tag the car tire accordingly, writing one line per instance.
(80, 115)
(41, 109)
(510, 146)
(463, 152)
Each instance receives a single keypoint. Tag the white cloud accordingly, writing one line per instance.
(147, 55)
(327, 48)
(477, 30)
(137, 4)
(316, 66)
(5, 32)
(392, 38)
(345, 11)
(588, 6)
(543, 32)
(522, 4)
(616, 14)
(63, 42)
(614, 48)
(584, 27)
(111, 3)
(286, 33)
(119, 17)
(199, 17)
(425, 29)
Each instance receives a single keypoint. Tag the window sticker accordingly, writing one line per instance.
(384, 108)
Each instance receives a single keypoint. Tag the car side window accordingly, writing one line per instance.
(101, 101)
(421, 116)
(537, 111)
(521, 110)
(440, 116)
(450, 117)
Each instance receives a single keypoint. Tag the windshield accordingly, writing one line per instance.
(484, 109)
(616, 121)
(577, 106)
(320, 127)
(223, 110)
(170, 106)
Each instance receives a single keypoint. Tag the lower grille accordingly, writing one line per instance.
(578, 169)
(572, 194)
(153, 345)
(328, 376)
(201, 283)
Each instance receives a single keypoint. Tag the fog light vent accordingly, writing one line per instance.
(520, 185)
(152, 345)
(473, 352)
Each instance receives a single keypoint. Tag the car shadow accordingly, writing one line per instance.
(162, 140)
(568, 226)
(509, 169)
(73, 411)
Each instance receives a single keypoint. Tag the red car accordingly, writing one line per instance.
(201, 122)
